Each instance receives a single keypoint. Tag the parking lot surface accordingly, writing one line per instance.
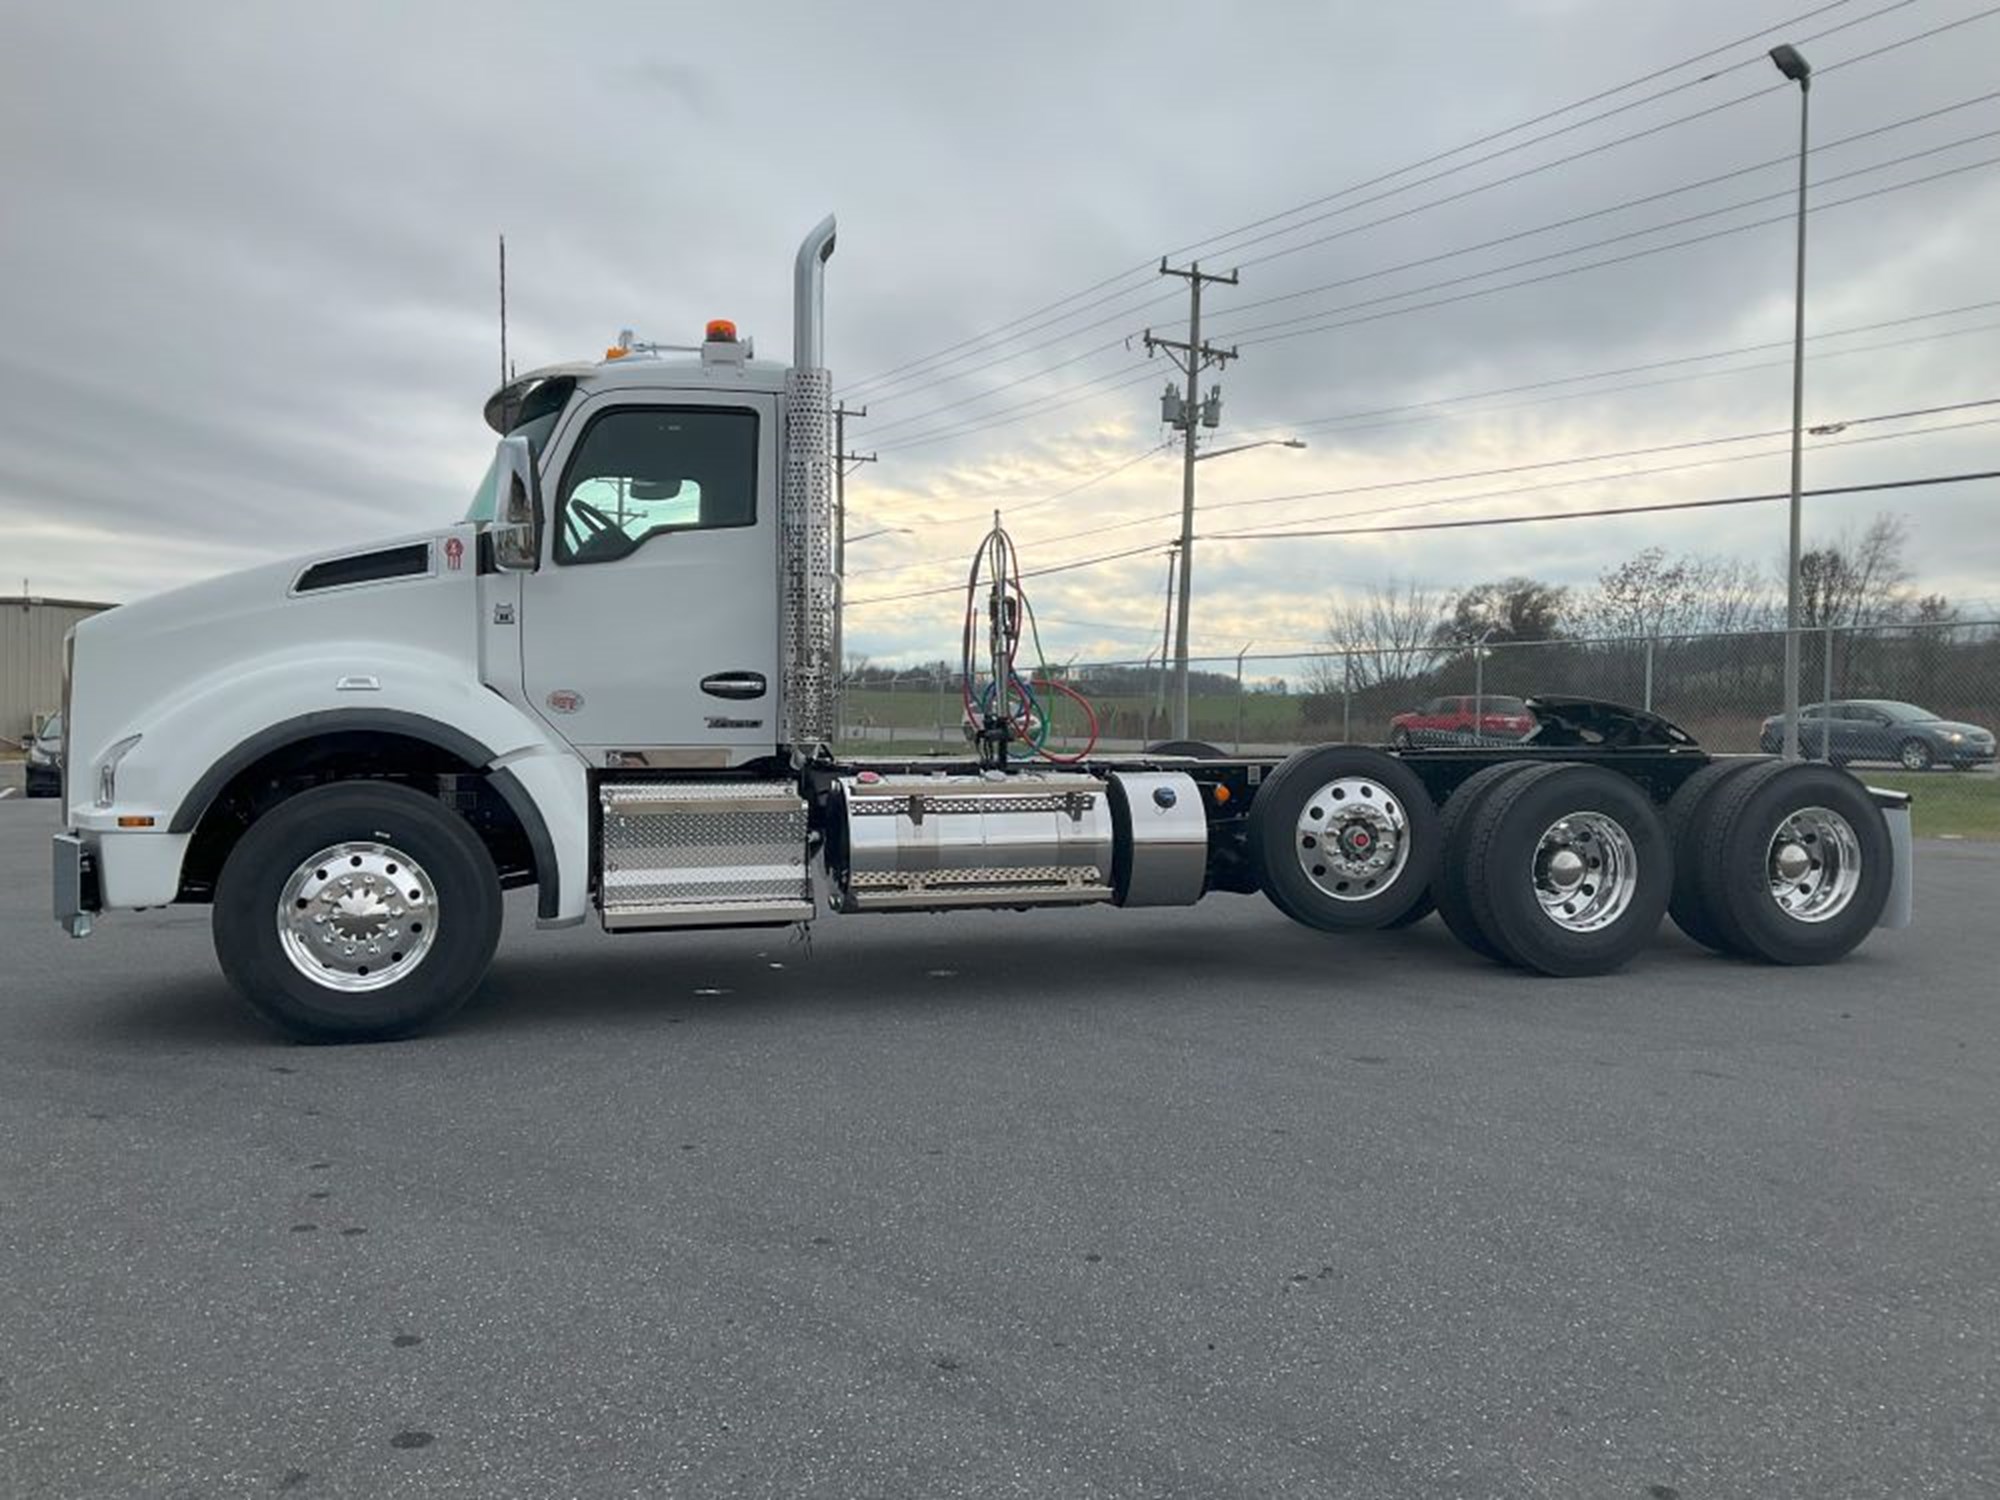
(1072, 1204)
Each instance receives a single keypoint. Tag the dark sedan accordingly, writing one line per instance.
(45, 751)
(1882, 729)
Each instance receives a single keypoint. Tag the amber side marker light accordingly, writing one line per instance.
(130, 820)
(1221, 792)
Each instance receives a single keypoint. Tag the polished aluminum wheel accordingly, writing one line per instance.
(1814, 864)
(1585, 870)
(357, 916)
(1353, 838)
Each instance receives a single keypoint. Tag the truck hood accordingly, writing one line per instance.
(249, 591)
(188, 652)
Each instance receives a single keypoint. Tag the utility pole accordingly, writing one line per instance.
(843, 461)
(1166, 626)
(1192, 357)
(1799, 71)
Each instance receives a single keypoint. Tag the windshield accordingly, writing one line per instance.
(1904, 713)
(51, 727)
(537, 420)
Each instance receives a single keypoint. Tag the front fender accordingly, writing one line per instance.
(191, 748)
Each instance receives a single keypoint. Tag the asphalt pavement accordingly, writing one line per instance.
(1072, 1204)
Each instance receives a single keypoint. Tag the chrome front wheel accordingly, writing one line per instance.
(330, 912)
(357, 916)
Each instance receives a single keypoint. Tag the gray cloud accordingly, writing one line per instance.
(250, 301)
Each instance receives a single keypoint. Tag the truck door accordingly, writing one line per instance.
(650, 634)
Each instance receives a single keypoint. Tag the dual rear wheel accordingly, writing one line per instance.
(1567, 869)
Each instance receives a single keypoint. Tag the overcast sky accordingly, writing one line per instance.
(250, 303)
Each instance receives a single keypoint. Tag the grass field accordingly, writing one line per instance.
(1955, 804)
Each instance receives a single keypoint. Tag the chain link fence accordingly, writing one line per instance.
(1724, 689)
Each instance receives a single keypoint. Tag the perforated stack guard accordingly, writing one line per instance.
(703, 854)
(808, 590)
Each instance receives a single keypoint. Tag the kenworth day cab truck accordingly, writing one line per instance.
(614, 682)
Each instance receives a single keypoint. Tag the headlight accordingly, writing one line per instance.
(107, 770)
(1955, 737)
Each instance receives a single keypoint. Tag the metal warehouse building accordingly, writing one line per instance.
(31, 653)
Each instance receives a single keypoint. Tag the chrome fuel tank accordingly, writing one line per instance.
(1028, 838)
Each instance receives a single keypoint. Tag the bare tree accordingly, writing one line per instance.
(1646, 595)
(1391, 632)
(1856, 580)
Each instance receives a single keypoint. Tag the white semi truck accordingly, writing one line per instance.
(614, 682)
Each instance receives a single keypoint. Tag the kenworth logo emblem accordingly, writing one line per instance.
(564, 701)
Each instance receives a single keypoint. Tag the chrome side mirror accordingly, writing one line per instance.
(517, 509)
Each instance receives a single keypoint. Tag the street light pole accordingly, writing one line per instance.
(1799, 71)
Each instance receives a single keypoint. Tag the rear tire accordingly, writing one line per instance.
(1794, 865)
(1343, 839)
(1569, 869)
(1193, 749)
(1688, 816)
(1449, 889)
(356, 912)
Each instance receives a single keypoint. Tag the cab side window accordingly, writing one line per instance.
(641, 471)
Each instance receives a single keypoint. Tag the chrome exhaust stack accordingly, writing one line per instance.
(808, 590)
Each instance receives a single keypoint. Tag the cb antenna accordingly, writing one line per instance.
(503, 309)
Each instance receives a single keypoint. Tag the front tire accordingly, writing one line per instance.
(356, 912)
(1914, 755)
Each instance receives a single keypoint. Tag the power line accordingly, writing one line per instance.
(1379, 486)
(1591, 458)
(1627, 510)
(1014, 510)
(1573, 126)
(1877, 486)
(1376, 488)
(1614, 239)
(1683, 359)
(1071, 331)
(959, 588)
(1050, 403)
(931, 361)
(1672, 192)
(1560, 161)
(1603, 479)
(1535, 385)
(1681, 244)
(1138, 372)
(1285, 328)
(1529, 232)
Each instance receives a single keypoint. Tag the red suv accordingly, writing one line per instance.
(1451, 721)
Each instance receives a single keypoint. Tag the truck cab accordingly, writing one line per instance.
(645, 633)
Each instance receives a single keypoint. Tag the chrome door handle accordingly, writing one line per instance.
(736, 685)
